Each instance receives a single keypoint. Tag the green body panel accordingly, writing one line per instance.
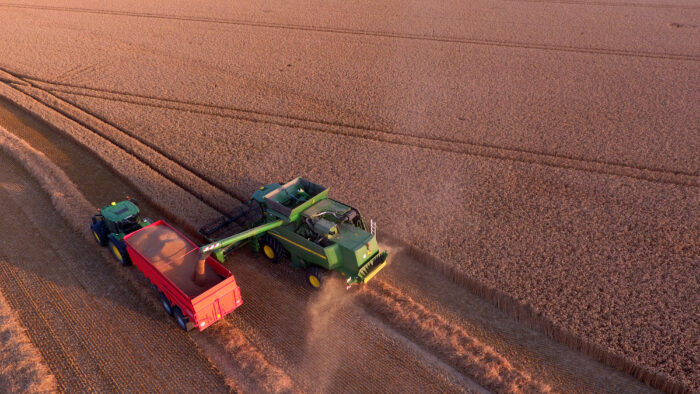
(313, 229)
(121, 218)
(220, 245)
(301, 248)
(118, 211)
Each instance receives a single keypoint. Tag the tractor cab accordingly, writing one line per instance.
(122, 217)
(113, 222)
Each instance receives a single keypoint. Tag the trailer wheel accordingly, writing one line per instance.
(182, 320)
(314, 277)
(272, 249)
(166, 304)
(119, 254)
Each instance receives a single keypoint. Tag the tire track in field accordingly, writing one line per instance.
(76, 210)
(426, 334)
(83, 308)
(145, 152)
(647, 173)
(609, 4)
(447, 345)
(371, 33)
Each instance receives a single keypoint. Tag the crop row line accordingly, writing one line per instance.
(610, 4)
(42, 332)
(146, 160)
(450, 145)
(371, 293)
(371, 33)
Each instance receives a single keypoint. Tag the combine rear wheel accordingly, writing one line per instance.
(314, 277)
(272, 249)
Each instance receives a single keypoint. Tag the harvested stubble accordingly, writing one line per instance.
(544, 87)
(21, 366)
(588, 259)
(76, 210)
(268, 377)
(450, 341)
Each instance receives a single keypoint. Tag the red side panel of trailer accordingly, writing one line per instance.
(168, 258)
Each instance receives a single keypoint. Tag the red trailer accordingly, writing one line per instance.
(168, 259)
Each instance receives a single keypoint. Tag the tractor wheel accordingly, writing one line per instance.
(182, 320)
(98, 231)
(166, 304)
(119, 254)
(314, 277)
(272, 249)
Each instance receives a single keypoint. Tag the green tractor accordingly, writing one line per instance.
(297, 220)
(113, 222)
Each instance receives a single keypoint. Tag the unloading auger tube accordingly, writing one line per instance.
(214, 247)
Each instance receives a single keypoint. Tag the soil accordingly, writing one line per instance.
(89, 328)
(21, 367)
(540, 154)
(242, 361)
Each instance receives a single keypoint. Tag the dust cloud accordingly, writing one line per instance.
(324, 349)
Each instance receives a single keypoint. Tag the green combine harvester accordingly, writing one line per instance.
(113, 223)
(297, 220)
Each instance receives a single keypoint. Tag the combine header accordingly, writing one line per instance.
(299, 221)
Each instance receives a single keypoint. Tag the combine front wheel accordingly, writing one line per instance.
(314, 277)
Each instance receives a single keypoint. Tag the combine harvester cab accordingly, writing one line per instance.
(170, 260)
(298, 220)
